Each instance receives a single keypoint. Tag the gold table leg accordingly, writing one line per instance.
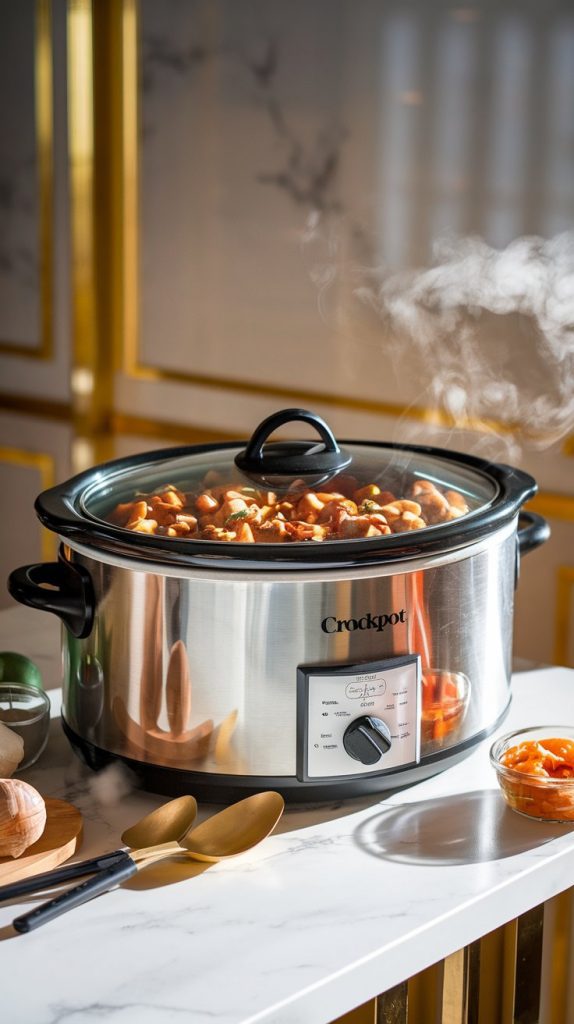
(521, 973)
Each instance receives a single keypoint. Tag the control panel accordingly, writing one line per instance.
(358, 719)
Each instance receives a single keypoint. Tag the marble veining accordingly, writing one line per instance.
(342, 902)
(307, 172)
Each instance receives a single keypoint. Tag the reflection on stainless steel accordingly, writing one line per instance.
(445, 694)
(178, 691)
(445, 699)
(419, 622)
(89, 691)
(160, 747)
(151, 680)
(178, 746)
(246, 633)
(222, 750)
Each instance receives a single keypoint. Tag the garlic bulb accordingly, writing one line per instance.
(22, 817)
(11, 751)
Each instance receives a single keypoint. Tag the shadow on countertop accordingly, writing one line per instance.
(467, 828)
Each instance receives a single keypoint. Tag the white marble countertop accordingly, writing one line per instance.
(339, 904)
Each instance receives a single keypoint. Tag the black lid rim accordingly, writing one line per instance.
(60, 510)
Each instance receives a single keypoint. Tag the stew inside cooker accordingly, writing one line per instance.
(248, 514)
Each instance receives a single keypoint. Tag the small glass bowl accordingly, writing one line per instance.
(26, 710)
(539, 797)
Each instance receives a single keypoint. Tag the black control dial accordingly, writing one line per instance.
(367, 739)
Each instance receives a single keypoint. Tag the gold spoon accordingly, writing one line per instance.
(230, 832)
(236, 829)
(165, 824)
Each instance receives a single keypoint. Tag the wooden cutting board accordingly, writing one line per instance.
(61, 838)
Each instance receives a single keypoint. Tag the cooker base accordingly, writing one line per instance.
(226, 788)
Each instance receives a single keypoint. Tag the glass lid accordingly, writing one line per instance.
(286, 492)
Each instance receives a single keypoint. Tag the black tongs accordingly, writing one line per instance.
(67, 873)
(166, 823)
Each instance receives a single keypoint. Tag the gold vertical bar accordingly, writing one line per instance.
(472, 993)
(43, 75)
(392, 1005)
(528, 964)
(425, 996)
(510, 933)
(81, 156)
(555, 987)
(90, 102)
(454, 997)
(130, 184)
(569, 955)
(491, 992)
(122, 30)
(491, 978)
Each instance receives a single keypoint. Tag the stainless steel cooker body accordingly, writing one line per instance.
(249, 638)
(320, 669)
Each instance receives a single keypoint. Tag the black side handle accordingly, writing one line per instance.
(58, 587)
(533, 530)
(285, 458)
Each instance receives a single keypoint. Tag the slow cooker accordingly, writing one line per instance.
(320, 618)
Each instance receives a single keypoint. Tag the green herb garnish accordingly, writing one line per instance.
(236, 516)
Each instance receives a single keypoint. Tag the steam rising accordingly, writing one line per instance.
(495, 330)
(488, 334)
(111, 785)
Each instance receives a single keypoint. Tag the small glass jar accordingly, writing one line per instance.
(26, 710)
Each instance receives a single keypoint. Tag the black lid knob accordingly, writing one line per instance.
(366, 739)
(292, 458)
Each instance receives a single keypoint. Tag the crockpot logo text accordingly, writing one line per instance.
(368, 621)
